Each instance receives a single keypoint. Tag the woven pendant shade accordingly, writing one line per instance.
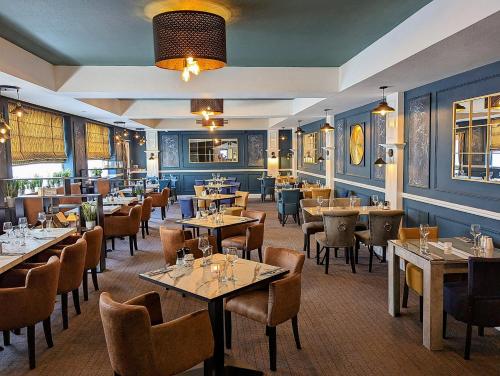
(212, 123)
(188, 33)
(213, 106)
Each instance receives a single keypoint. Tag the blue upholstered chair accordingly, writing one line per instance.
(173, 188)
(229, 201)
(267, 188)
(476, 301)
(164, 183)
(187, 211)
(235, 187)
(199, 182)
(289, 204)
(231, 179)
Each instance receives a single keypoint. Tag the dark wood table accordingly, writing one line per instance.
(200, 283)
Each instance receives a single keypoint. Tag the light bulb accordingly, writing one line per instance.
(19, 113)
(212, 128)
(2, 140)
(185, 74)
(205, 115)
(382, 113)
(3, 130)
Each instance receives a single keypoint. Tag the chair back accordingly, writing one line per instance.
(339, 227)
(32, 206)
(147, 207)
(345, 202)
(94, 246)
(192, 244)
(321, 192)
(414, 233)
(72, 266)
(199, 182)
(231, 179)
(171, 240)
(268, 182)
(235, 187)
(103, 186)
(260, 215)
(309, 203)
(74, 190)
(187, 207)
(127, 329)
(135, 218)
(484, 282)
(384, 226)
(164, 183)
(241, 201)
(291, 196)
(285, 258)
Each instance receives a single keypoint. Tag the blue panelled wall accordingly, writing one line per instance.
(187, 172)
(314, 168)
(477, 82)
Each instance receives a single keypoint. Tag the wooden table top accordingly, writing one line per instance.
(363, 210)
(129, 190)
(13, 255)
(119, 201)
(216, 197)
(200, 282)
(108, 209)
(229, 220)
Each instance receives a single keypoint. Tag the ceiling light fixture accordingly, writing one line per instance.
(327, 127)
(459, 107)
(189, 41)
(19, 110)
(299, 130)
(383, 108)
(283, 136)
(207, 107)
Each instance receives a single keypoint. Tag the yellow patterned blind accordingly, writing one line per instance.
(37, 137)
(97, 141)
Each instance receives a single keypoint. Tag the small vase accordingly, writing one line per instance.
(11, 202)
(90, 225)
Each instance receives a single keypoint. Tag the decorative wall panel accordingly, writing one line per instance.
(169, 150)
(255, 147)
(419, 127)
(379, 133)
(339, 146)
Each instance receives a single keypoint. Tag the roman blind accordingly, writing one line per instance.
(37, 137)
(97, 141)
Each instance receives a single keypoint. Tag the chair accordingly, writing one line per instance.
(241, 201)
(173, 239)
(160, 200)
(163, 183)
(201, 204)
(247, 236)
(140, 343)
(414, 276)
(289, 204)
(229, 201)
(312, 223)
(32, 206)
(103, 187)
(74, 190)
(92, 257)
(345, 202)
(147, 207)
(275, 305)
(235, 187)
(173, 187)
(118, 226)
(267, 188)
(476, 301)
(199, 182)
(384, 226)
(231, 179)
(187, 211)
(28, 300)
(339, 233)
(321, 192)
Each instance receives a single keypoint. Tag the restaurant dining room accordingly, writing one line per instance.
(234, 187)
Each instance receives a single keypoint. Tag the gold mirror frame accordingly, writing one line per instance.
(357, 144)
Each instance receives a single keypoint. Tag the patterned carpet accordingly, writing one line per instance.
(343, 322)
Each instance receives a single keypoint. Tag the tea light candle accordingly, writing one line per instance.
(215, 269)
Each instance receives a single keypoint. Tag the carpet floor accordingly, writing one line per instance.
(343, 322)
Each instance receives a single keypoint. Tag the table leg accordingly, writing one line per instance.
(216, 311)
(433, 306)
(218, 239)
(393, 280)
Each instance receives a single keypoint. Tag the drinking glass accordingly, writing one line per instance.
(319, 200)
(42, 218)
(375, 200)
(205, 247)
(475, 231)
(204, 214)
(7, 228)
(212, 207)
(232, 257)
(424, 233)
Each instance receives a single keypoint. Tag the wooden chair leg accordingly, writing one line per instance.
(131, 245)
(480, 331)
(336, 252)
(228, 328)
(31, 346)
(47, 331)
(147, 227)
(295, 328)
(260, 254)
(467, 341)
(207, 368)
(113, 244)
(64, 309)
(405, 295)
(163, 213)
(317, 253)
(384, 254)
(370, 249)
(308, 246)
(346, 256)
(143, 230)
(94, 278)
(304, 247)
(6, 338)
(76, 300)
(85, 284)
(272, 348)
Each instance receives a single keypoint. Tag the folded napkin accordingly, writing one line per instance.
(456, 252)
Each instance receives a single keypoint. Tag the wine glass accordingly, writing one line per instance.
(475, 231)
(375, 200)
(7, 228)
(204, 245)
(424, 232)
(319, 200)
(232, 257)
(212, 207)
(23, 222)
(42, 217)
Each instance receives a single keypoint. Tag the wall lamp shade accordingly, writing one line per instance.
(207, 107)
(383, 108)
(459, 107)
(326, 127)
(321, 159)
(185, 37)
(380, 162)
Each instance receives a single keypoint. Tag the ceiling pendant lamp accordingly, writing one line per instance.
(207, 107)
(212, 124)
(189, 41)
(283, 136)
(19, 110)
(327, 127)
(299, 130)
(459, 107)
(383, 108)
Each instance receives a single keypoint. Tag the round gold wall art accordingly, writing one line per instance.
(357, 144)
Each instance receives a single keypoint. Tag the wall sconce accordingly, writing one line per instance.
(321, 159)
(152, 157)
(389, 154)
(299, 130)
(273, 155)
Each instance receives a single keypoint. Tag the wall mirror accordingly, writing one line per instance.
(310, 145)
(476, 139)
(213, 150)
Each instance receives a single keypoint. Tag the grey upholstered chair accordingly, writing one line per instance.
(384, 226)
(339, 233)
(312, 223)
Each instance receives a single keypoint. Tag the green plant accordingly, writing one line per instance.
(89, 211)
(11, 188)
(97, 172)
(62, 174)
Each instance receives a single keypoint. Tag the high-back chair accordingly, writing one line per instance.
(384, 226)
(199, 182)
(74, 190)
(201, 204)
(28, 298)
(312, 223)
(187, 211)
(321, 192)
(476, 301)
(241, 201)
(147, 207)
(414, 276)
(160, 200)
(120, 226)
(289, 204)
(275, 305)
(92, 257)
(172, 239)
(32, 206)
(247, 236)
(267, 188)
(339, 233)
(103, 186)
(140, 343)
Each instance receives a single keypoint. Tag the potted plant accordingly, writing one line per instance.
(89, 211)
(97, 173)
(139, 191)
(11, 189)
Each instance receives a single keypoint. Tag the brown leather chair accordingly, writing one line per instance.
(92, 258)
(28, 298)
(140, 343)
(273, 306)
(70, 278)
(103, 187)
(32, 206)
(172, 239)
(118, 226)
(241, 201)
(147, 207)
(74, 190)
(160, 200)
(321, 192)
(201, 204)
(246, 237)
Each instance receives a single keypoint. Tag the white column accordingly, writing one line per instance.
(295, 152)
(152, 149)
(329, 154)
(395, 141)
(273, 147)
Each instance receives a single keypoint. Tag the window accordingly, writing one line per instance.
(43, 170)
(97, 165)
(97, 137)
(213, 150)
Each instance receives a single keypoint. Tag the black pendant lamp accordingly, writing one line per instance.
(19, 110)
(299, 130)
(189, 41)
(327, 127)
(383, 108)
(207, 107)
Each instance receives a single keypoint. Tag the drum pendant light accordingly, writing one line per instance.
(207, 107)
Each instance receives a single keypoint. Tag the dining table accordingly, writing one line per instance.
(363, 210)
(107, 210)
(211, 224)
(216, 197)
(129, 190)
(122, 201)
(205, 283)
(435, 262)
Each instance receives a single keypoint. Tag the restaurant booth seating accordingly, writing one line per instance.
(274, 305)
(116, 226)
(139, 342)
(160, 200)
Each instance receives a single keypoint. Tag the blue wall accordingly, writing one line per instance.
(186, 178)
